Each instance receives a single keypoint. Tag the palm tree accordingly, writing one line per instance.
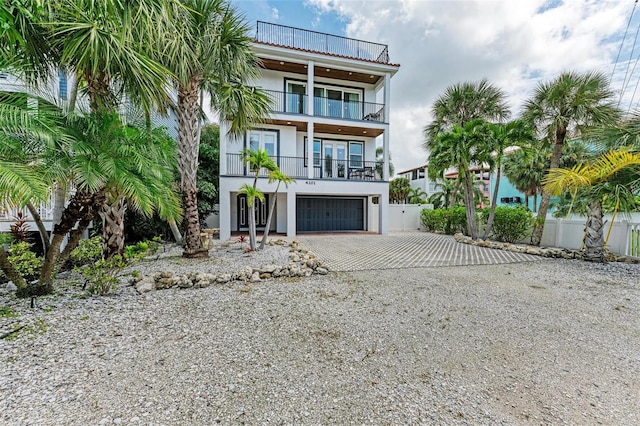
(564, 106)
(252, 194)
(257, 160)
(416, 196)
(525, 169)
(274, 176)
(502, 136)
(445, 197)
(207, 47)
(399, 190)
(461, 147)
(380, 162)
(464, 102)
(618, 169)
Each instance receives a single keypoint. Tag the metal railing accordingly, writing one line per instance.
(313, 41)
(297, 168)
(296, 103)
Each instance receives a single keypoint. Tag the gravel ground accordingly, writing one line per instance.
(549, 342)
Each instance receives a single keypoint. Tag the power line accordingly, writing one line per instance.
(625, 82)
(623, 38)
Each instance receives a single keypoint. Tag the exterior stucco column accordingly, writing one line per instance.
(383, 213)
(224, 212)
(386, 137)
(291, 213)
(310, 122)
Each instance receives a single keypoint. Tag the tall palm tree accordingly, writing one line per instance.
(460, 148)
(274, 176)
(620, 169)
(501, 137)
(464, 102)
(207, 48)
(562, 107)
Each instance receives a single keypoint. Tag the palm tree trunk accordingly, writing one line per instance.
(494, 201)
(112, 215)
(59, 196)
(269, 216)
(538, 229)
(454, 194)
(470, 207)
(188, 148)
(176, 232)
(44, 235)
(526, 201)
(11, 273)
(74, 239)
(252, 226)
(81, 206)
(594, 233)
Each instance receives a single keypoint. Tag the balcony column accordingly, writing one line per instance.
(310, 100)
(383, 213)
(310, 122)
(222, 162)
(386, 138)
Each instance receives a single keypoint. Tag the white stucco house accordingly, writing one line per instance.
(331, 99)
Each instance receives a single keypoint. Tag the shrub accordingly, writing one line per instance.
(24, 260)
(448, 221)
(88, 251)
(102, 275)
(510, 224)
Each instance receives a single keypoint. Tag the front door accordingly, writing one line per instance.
(261, 212)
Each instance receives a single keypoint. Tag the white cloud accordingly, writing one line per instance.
(514, 44)
(275, 13)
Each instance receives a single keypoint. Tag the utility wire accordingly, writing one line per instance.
(623, 38)
(624, 82)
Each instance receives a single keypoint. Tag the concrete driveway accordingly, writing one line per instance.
(359, 252)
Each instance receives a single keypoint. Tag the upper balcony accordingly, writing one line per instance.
(312, 41)
(296, 103)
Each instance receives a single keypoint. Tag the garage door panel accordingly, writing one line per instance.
(330, 214)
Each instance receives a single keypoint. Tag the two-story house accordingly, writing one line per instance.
(331, 100)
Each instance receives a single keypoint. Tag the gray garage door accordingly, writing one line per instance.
(330, 214)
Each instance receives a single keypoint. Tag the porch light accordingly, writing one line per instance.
(370, 76)
(350, 73)
(328, 70)
(288, 122)
(281, 63)
(364, 131)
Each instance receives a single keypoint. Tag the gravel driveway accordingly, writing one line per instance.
(536, 342)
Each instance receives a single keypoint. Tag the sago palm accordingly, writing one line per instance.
(562, 107)
(619, 169)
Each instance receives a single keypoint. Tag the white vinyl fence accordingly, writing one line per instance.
(402, 217)
(569, 233)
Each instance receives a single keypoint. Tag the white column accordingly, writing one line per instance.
(310, 72)
(387, 96)
(386, 136)
(224, 212)
(224, 140)
(310, 121)
(383, 213)
(310, 168)
(291, 213)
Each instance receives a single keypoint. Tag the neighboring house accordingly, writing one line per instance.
(419, 179)
(330, 102)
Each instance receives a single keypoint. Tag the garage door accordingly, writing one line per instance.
(330, 214)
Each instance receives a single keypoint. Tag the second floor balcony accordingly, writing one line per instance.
(297, 103)
(327, 168)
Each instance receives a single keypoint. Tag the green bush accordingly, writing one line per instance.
(88, 251)
(447, 221)
(24, 260)
(102, 275)
(510, 224)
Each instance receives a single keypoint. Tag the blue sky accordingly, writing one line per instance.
(514, 43)
(294, 13)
